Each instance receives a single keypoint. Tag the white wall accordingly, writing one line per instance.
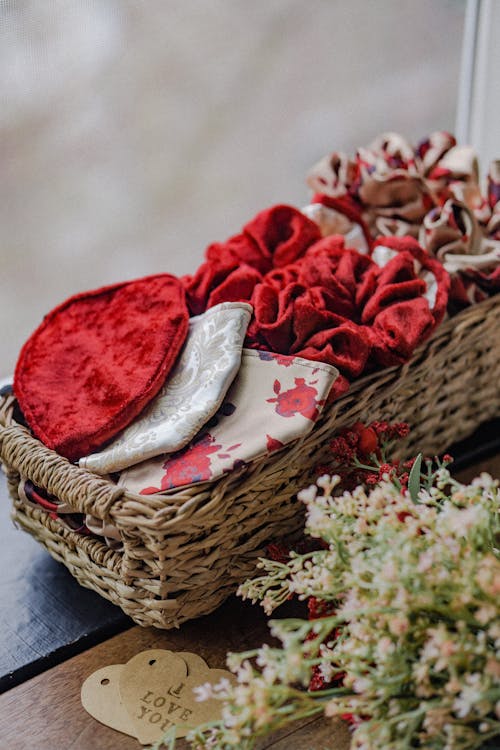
(133, 133)
(478, 118)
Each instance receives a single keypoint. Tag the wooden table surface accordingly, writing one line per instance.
(45, 713)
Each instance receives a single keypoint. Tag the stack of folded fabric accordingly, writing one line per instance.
(163, 383)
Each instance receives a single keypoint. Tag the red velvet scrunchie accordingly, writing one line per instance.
(219, 281)
(297, 320)
(427, 263)
(316, 298)
(274, 238)
(340, 271)
(399, 316)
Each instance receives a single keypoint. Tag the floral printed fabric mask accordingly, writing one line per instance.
(191, 395)
(274, 400)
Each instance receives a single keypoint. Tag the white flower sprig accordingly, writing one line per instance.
(414, 586)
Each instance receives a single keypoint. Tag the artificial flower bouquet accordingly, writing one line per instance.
(158, 429)
(400, 570)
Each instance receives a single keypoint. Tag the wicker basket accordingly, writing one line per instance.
(185, 552)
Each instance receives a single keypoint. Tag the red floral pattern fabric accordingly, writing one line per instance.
(302, 399)
(188, 467)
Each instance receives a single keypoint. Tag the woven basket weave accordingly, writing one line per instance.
(185, 552)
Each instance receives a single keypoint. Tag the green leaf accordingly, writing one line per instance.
(414, 478)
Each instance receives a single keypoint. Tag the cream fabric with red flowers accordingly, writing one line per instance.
(274, 400)
(330, 221)
(468, 247)
(395, 185)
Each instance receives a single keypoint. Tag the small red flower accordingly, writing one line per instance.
(388, 431)
(397, 431)
(352, 437)
(380, 427)
(403, 479)
(350, 719)
(388, 469)
(368, 440)
(317, 681)
(403, 515)
(342, 452)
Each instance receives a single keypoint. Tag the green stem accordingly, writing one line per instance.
(359, 465)
(330, 692)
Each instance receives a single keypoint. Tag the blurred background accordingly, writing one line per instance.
(134, 133)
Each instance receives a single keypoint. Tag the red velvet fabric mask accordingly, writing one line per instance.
(97, 359)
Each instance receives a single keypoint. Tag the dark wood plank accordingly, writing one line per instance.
(318, 734)
(45, 616)
(483, 444)
(490, 465)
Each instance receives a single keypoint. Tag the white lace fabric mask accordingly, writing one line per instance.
(191, 395)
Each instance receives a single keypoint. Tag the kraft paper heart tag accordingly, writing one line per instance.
(156, 687)
(152, 688)
(193, 661)
(100, 697)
